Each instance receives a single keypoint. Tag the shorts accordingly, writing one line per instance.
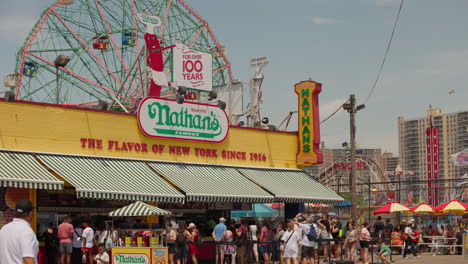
(307, 252)
(86, 249)
(299, 250)
(265, 249)
(316, 245)
(385, 254)
(65, 248)
(364, 243)
(172, 248)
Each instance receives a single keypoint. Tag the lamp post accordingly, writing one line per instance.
(60, 61)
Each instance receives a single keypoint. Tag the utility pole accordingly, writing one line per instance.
(352, 109)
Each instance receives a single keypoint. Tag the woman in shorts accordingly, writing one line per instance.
(351, 240)
(364, 241)
(265, 241)
(169, 239)
(325, 229)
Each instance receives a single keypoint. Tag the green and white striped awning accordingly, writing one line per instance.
(292, 186)
(139, 209)
(207, 183)
(112, 179)
(21, 170)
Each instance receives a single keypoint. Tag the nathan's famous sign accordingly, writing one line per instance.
(164, 118)
(309, 123)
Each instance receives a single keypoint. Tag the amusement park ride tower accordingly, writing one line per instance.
(109, 67)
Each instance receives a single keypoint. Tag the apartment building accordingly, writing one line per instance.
(453, 137)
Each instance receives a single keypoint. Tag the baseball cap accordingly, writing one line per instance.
(222, 219)
(412, 220)
(191, 225)
(24, 206)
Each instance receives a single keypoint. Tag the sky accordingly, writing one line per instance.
(339, 43)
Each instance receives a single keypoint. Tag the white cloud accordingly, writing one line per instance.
(16, 26)
(328, 108)
(325, 20)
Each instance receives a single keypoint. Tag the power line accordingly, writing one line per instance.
(386, 53)
(336, 111)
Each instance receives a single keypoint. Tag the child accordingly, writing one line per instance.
(102, 257)
(384, 251)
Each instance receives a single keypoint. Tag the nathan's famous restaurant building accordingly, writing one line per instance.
(184, 158)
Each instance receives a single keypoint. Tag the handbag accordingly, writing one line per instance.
(404, 236)
(290, 237)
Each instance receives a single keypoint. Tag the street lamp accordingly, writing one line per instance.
(60, 61)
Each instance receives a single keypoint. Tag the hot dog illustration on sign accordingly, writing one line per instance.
(155, 55)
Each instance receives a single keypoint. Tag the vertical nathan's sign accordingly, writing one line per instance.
(192, 68)
(309, 123)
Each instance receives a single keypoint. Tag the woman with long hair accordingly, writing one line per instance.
(253, 236)
(335, 232)
(194, 237)
(182, 242)
(280, 230)
(290, 239)
(325, 229)
(351, 240)
(169, 239)
(364, 241)
(265, 241)
(229, 248)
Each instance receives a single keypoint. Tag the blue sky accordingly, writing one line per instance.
(337, 42)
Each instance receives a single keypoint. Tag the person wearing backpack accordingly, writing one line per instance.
(309, 235)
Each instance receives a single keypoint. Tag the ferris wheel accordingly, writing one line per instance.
(86, 52)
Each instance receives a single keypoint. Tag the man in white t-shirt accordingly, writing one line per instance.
(409, 242)
(87, 239)
(307, 246)
(18, 243)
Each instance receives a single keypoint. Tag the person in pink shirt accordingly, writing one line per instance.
(65, 234)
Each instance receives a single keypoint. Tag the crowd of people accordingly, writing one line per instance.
(302, 239)
(305, 238)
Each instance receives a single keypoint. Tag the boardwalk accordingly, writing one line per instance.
(429, 259)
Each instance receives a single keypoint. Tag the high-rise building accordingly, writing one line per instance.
(453, 137)
(389, 162)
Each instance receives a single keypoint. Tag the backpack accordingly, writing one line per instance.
(312, 235)
(180, 239)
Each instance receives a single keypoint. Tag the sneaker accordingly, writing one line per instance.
(405, 257)
(417, 256)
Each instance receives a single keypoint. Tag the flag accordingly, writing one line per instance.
(460, 159)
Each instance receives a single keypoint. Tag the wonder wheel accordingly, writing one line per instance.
(103, 39)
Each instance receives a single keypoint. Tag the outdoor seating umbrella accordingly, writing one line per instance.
(391, 207)
(139, 209)
(454, 206)
(423, 208)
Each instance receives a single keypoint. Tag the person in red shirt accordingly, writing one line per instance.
(65, 234)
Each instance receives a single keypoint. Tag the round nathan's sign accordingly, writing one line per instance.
(131, 258)
(164, 118)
